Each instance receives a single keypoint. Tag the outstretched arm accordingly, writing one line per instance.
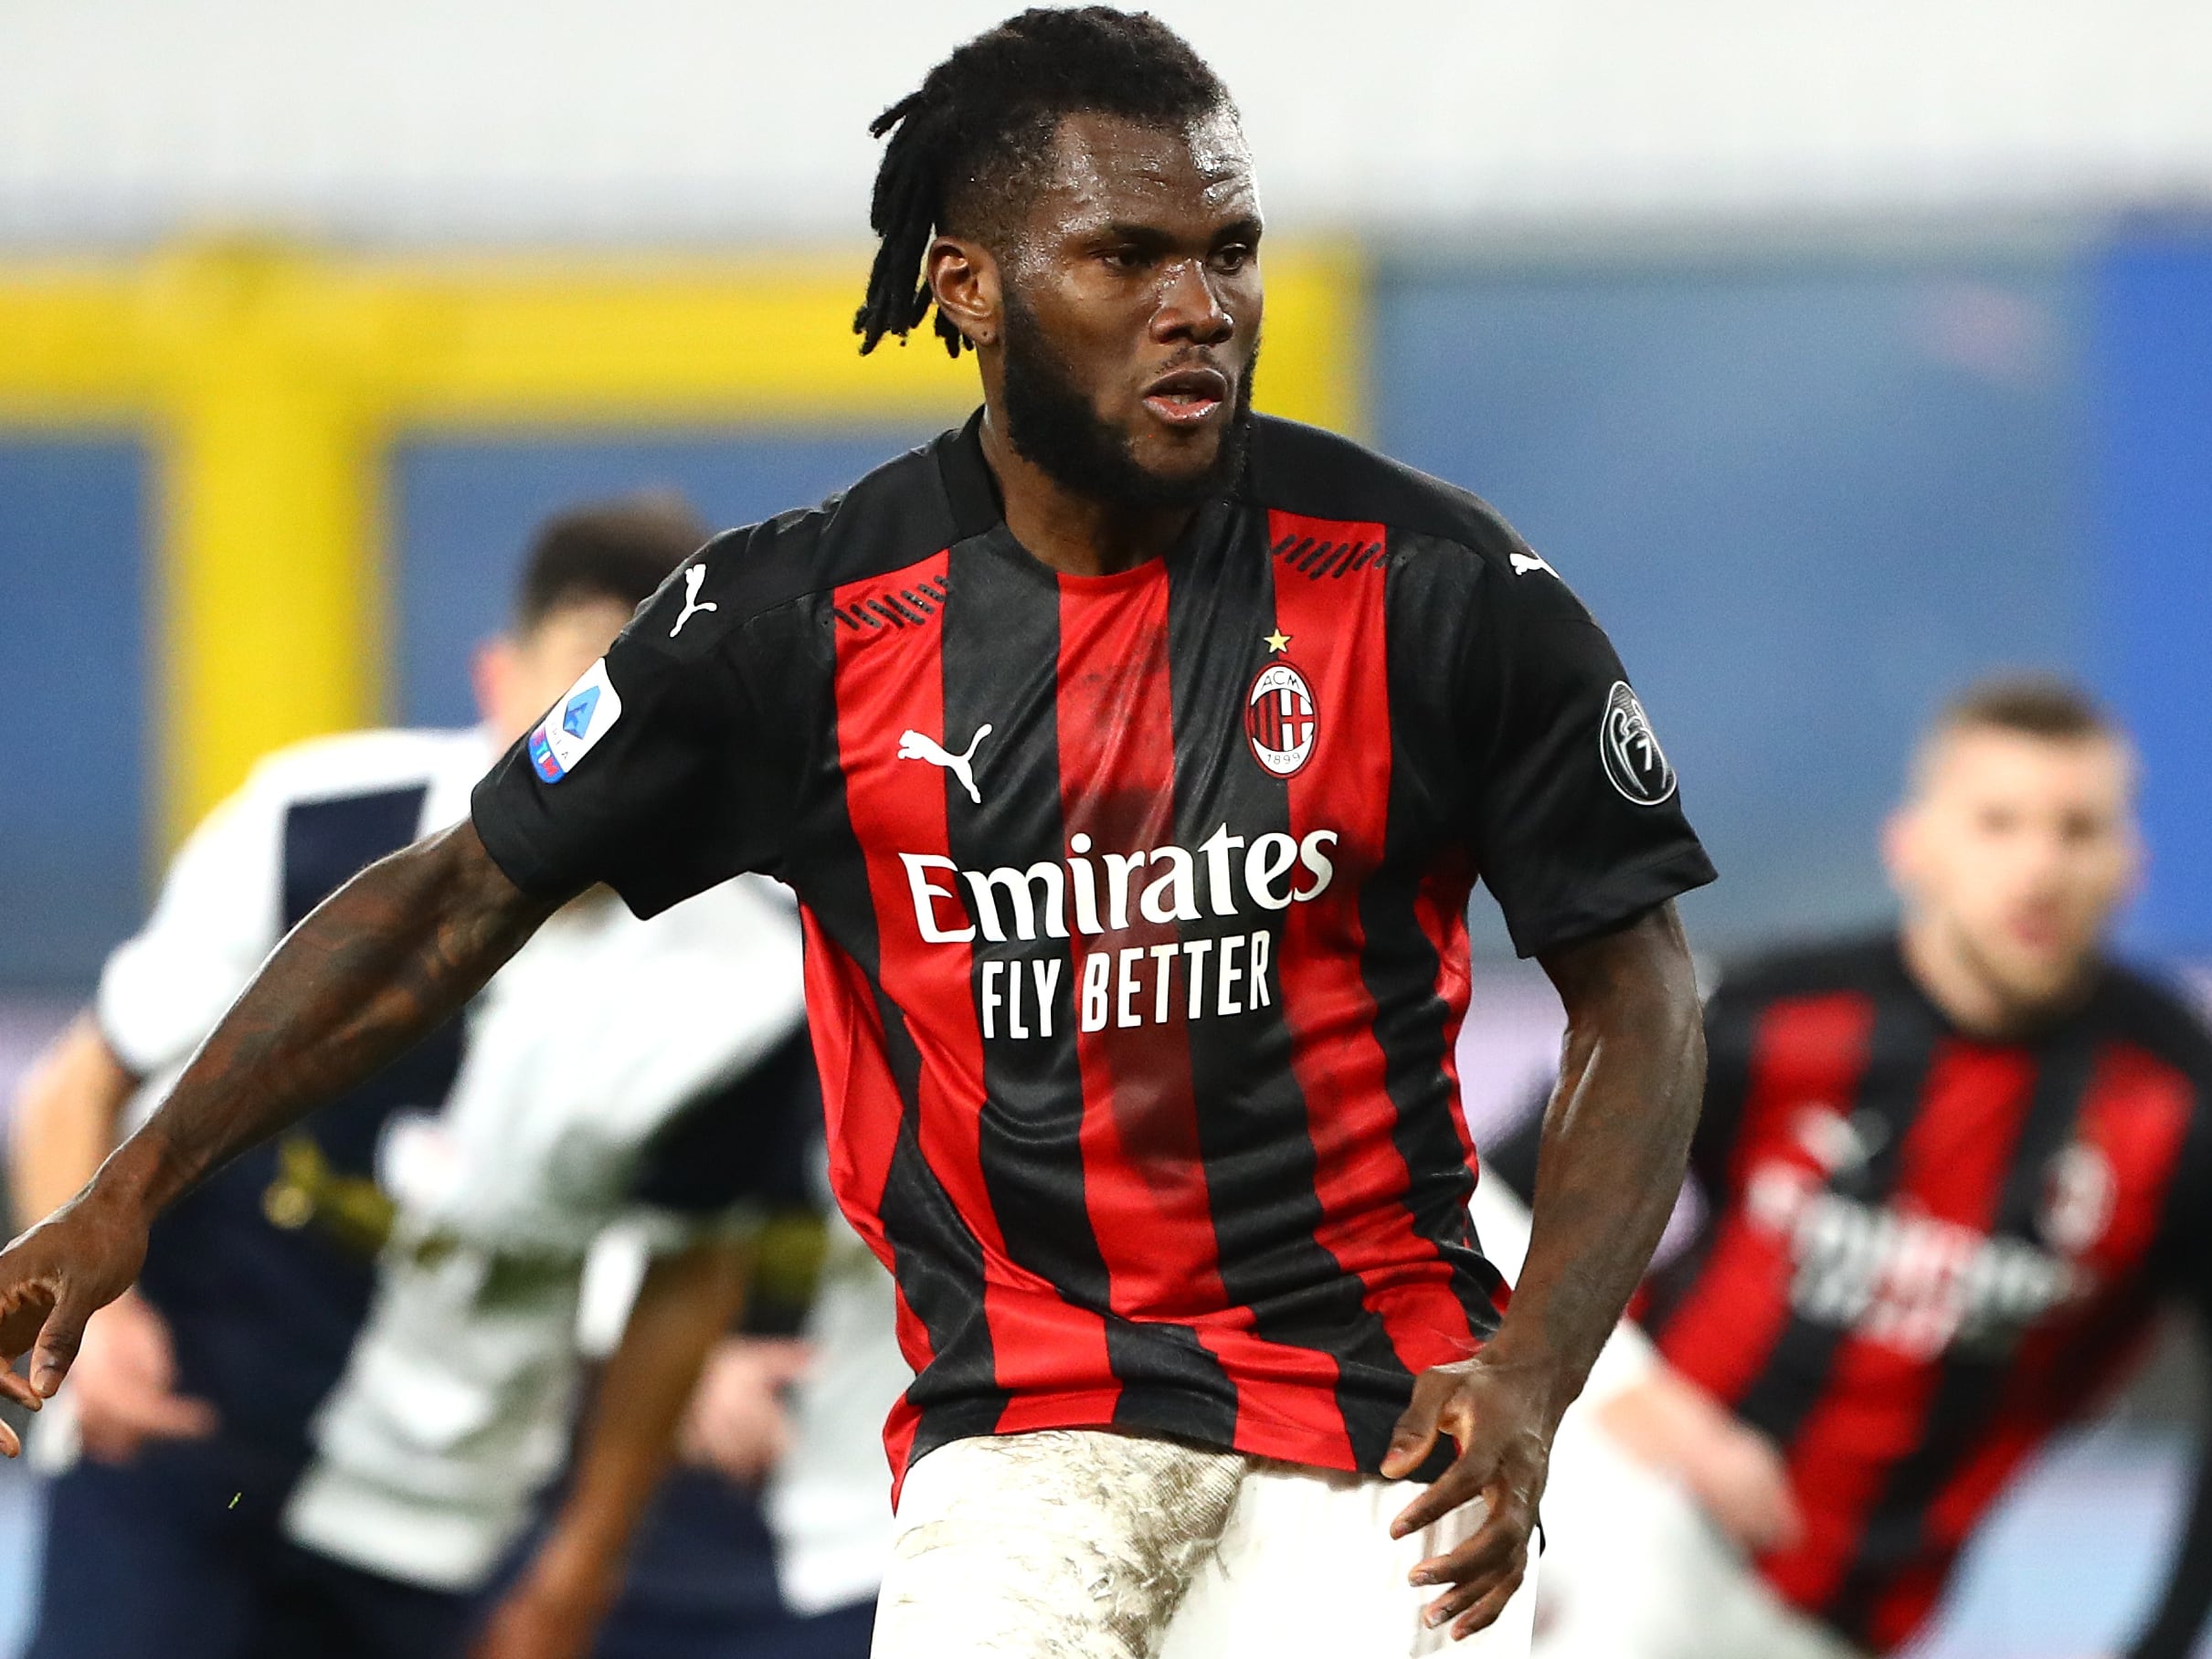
(1616, 1135)
(388, 957)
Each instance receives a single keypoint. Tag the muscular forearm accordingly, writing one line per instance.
(1616, 1140)
(66, 1109)
(386, 958)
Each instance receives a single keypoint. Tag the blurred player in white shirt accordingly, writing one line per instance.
(285, 1452)
(799, 1419)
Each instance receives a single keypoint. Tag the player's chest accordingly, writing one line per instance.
(1022, 715)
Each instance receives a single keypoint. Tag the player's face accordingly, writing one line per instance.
(1131, 310)
(518, 679)
(2015, 854)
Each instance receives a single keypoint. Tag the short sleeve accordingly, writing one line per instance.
(218, 916)
(1578, 821)
(652, 773)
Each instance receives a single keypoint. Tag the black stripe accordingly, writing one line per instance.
(1002, 668)
(935, 1258)
(1974, 1371)
(1251, 1114)
(1401, 969)
(1900, 1052)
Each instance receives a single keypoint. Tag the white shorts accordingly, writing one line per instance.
(1632, 1569)
(1086, 1544)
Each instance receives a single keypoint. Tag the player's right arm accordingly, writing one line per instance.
(649, 775)
(383, 961)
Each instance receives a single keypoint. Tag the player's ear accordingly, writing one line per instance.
(1901, 840)
(492, 677)
(965, 279)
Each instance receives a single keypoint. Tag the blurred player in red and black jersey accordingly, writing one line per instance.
(1951, 1175)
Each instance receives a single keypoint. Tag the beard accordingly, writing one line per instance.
(1052, 424)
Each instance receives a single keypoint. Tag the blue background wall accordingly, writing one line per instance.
(74, 653)
(2149, 417)
(1806, 501)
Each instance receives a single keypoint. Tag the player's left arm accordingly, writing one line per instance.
(686, 1303)
(1617, 1136)
(1576, 822)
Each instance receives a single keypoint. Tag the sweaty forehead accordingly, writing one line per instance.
(1105, 169)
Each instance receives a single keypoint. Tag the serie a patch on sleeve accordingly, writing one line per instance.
(579, 720)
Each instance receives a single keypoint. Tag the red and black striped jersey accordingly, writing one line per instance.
(1925, 1251)
(1134, 909)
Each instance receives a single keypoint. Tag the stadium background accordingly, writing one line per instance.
(1836, 353)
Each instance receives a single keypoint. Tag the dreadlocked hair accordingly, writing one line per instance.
(963, 144)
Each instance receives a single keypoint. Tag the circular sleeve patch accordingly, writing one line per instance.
(1634, 761)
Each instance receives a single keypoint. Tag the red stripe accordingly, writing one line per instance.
(1143, 1177)
(1874, 1405)
(888, 683)
(1806, 1050)
(1338, 641)
(2136, 1113)
(1144, 1180)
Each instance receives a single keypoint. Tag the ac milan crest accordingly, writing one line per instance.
(1279, 719)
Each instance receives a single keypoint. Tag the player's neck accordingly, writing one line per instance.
(1971, 998)
(1071, 532)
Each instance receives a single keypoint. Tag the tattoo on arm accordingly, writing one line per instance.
(378, 965)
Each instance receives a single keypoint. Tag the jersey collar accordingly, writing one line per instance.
(969, 487)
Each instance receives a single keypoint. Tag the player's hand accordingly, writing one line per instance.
(124, 1384)
(1501, 1417)
(1735, 1472)
(737, 1423)
(52, 1279)
(556, 1609)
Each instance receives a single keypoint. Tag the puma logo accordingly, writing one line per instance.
(694, 579)
(1523, 563)
(916, 745)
